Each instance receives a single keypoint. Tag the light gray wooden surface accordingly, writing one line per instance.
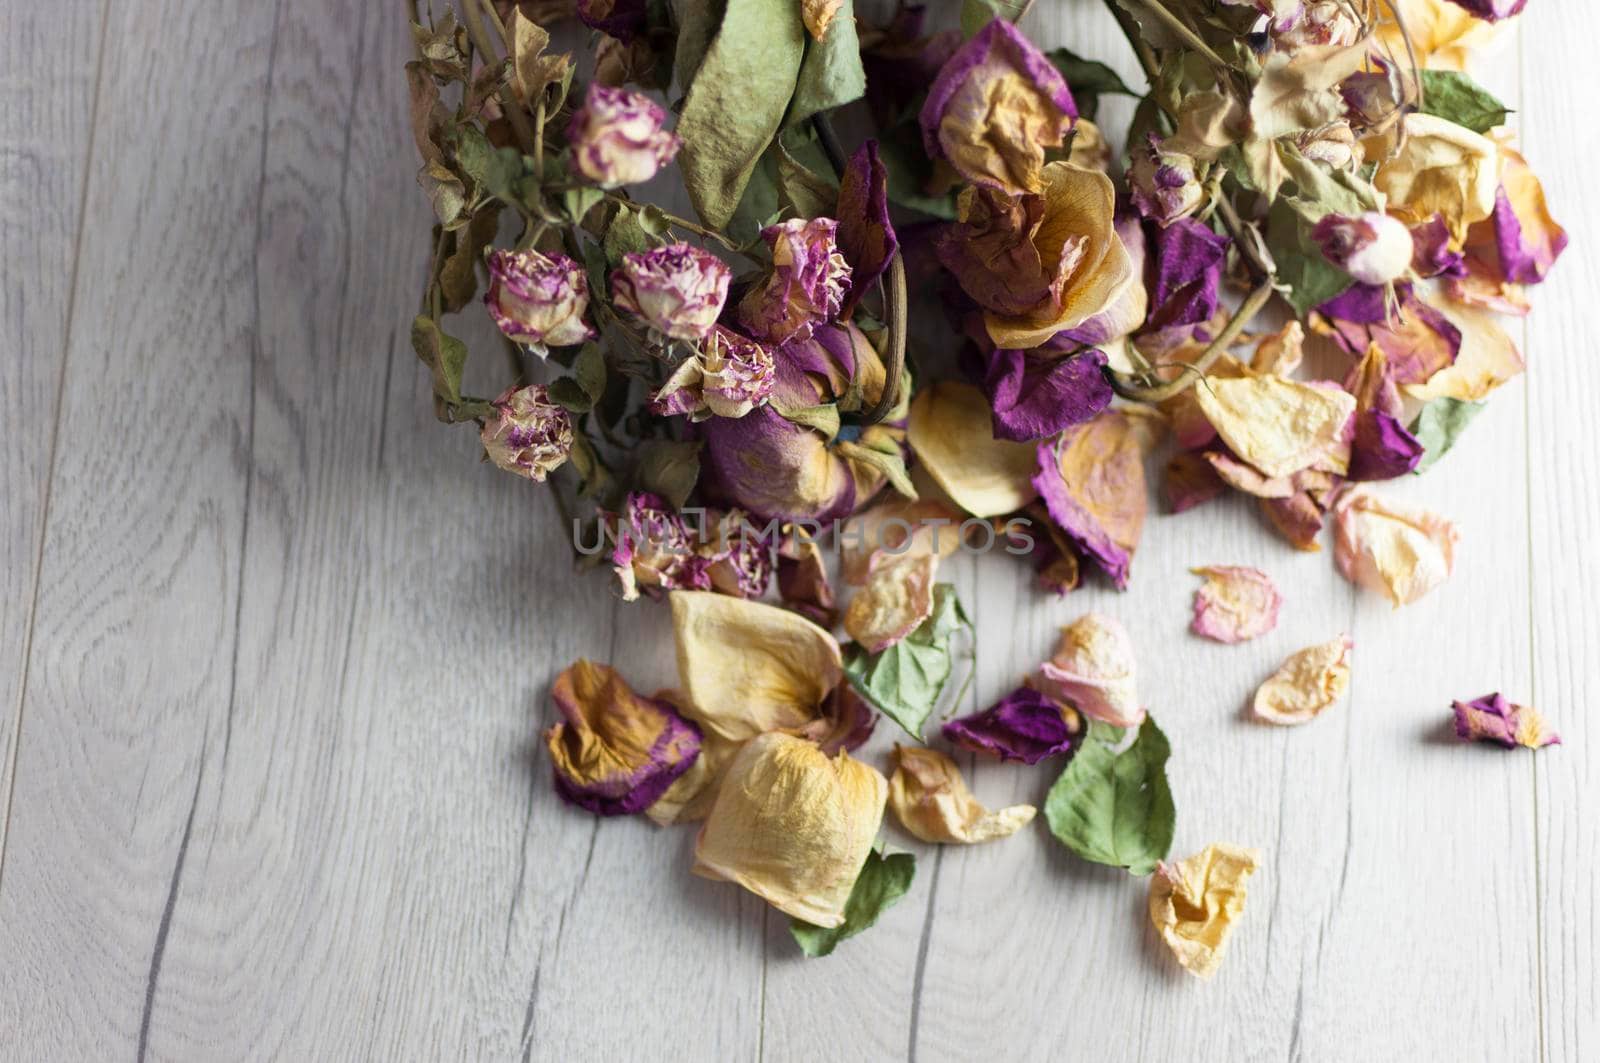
(274, 653)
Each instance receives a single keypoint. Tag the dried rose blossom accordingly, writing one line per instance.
(1024, 725)
(1195, 902)
(527, 433)
(1163, 183)
(677, 291)
(654, 549)
(1235, 604)
(1444, 35)
(1308, 682)
(617, 137)
(1093, 671)
(1492, 718)
(739, 560)
(729, 376)
(1374, 248)
(931, 800)
(1398, 550)
(806, 285)
(1317, 24)
(995, 107)
(615, 752)
(538, 300)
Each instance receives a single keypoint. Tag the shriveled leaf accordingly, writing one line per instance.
(882, 882)
(670, 469)
(831, 74)
(458, 278)
(1116, 807)
(531, 70)
(698, 21)
(590, 371)
(1439, 424)
(625, 235)
(567, 393)
(443, 354)
(1088, 80)
(904, 682)
(1455, 97)
(891, 463)
(495, 170)
(824, 418)
(1311, 278)
(801, 188)
(579, 201)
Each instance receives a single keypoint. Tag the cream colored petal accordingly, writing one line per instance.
(1235, 604)
(897, 598)
(691, 794)
(897, 527)
(746, 667)
(1195, 903)
(1441, 168)
(931, 800)
(1445, 35)
(1488, 358)
(951, 430)
(1308, 682)
(793, 826)
(1280, 426)
(1400, 551)
(1093, 670)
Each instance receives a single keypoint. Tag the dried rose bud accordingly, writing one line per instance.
(730, 376)
(1163, 183)
(1491, 10)
(806, 286)
(538, 300)
(677, 291)
(617, 137)
(528, 434)
(1324, 22)
(1372, 247)
(654, 549)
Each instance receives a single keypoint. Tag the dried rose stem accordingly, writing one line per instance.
(1190, 37)
(512, 106)
(1129, 388)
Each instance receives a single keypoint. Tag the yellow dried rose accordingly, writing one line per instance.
(793, 826)
(1443, 169)
(931, 800)
(1195, 903)
(1308, 682)
(951, 430)
(1444, 34)
(1400, 551)
(897, 598)
(1280, 426)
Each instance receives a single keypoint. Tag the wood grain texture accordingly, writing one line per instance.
(279, 790)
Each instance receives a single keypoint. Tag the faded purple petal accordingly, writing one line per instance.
(1492, 718)
(772, 467)
(866, 235)
(1038, 397)
(1524, 258)
(1188, 269)
(1024, 725)
(1418, 340)
(1382, 448)
(1491, 10)
(1433, 256)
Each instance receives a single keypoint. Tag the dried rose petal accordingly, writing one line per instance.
(615, 752)
(1093, 487)
(1528, 238)
(1093, 671)
(1398, 550)
(803, 582)
(898, 597)
(1024, 725)
(1278, 425)
(1235, 604)
(1492, 718)
(1036, 397)
(951, 431)
(1309, 681)
(1441, 169)
(1195, 902)
(866, 236)
(931, 800)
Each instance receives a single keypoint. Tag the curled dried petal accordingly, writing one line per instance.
(898, 597)
(1492, 718)
(1235, 604)
(1280, 426)
(1093, 671)
(1025, 725)
(931, 800)
(1194, 903)
(1309, 681)
(1401, 551)
(951, 431)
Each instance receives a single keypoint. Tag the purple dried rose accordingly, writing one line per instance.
(995, 107)
(866, 236)
(728, 377)
(1491, 10)
(1492, 718)
(622, 19)
(806, 285)
(654, 549)
(1162, 183)
(617, 138)
(1374, 248)
(527, 433)
(1024, 725)
(538, 300)
(677, 291)
(614, 752)
(1034, 397)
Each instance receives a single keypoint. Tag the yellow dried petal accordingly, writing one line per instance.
(931, 800)
(1093, 670)
(1401, 551)
(1442, 168)
(793, 826)
(897, 598)
(746, 667)
(1445, 35)
(1308, 682)
(1488, 358)
(951, 430)
(818, 16)
(897, 527)
(1297, 89)
(1194, 903)
(1280, 352)
(1280, 426)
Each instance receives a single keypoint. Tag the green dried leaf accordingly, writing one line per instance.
(976, 14)
(698, 21)
(595, 480)
(1088, 80)
(889, 461)
(670, 468)
(823, 418)
(1457, 98)
(566, 392)
(802, 189)
(1116, 807)
(624, 235)
(579, 201)
(1312, 280)
(1438, 425)
(737, 102)
(831, 74)
(458, 277)
(590, 371)
(495, 170)
(905, 680)
(443, 354)
(883, 881)
(901, 152)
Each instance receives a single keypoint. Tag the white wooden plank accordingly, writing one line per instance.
(46, 107)
(1564, 509)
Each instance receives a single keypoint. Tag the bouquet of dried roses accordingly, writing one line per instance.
(722, 395)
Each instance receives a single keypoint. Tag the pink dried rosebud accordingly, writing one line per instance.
(528, 434)
(538, 300)
(677, 291)
(617, 137)
(806, 286)
(1163, 183)
(730, 376)
(1372, 247)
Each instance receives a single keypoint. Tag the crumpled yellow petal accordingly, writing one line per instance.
(793, 826)
(1280, 426)
(1280, 352)
(1442, 168)
(897, 598)
(1400, 551)
(1445, 35)
(746, 667)
(1308, 682)
(1194, 903)
(1297, 89)
(1488, 358)
(931, 800)
(952, 432)
(1093, 671)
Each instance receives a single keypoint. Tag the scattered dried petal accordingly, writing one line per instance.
(1195, 903)
(950, 429)
(898, 597)
(1093, 486)
(1492, 718)
(1280, 426)
(1235, 604)
(1309, 681)
(1399, 550)
(1093, 671)
(1024, 725)
(931, 800)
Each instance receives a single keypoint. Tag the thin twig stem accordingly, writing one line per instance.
(1190, 37)
(508, 98)
(1129, 388)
